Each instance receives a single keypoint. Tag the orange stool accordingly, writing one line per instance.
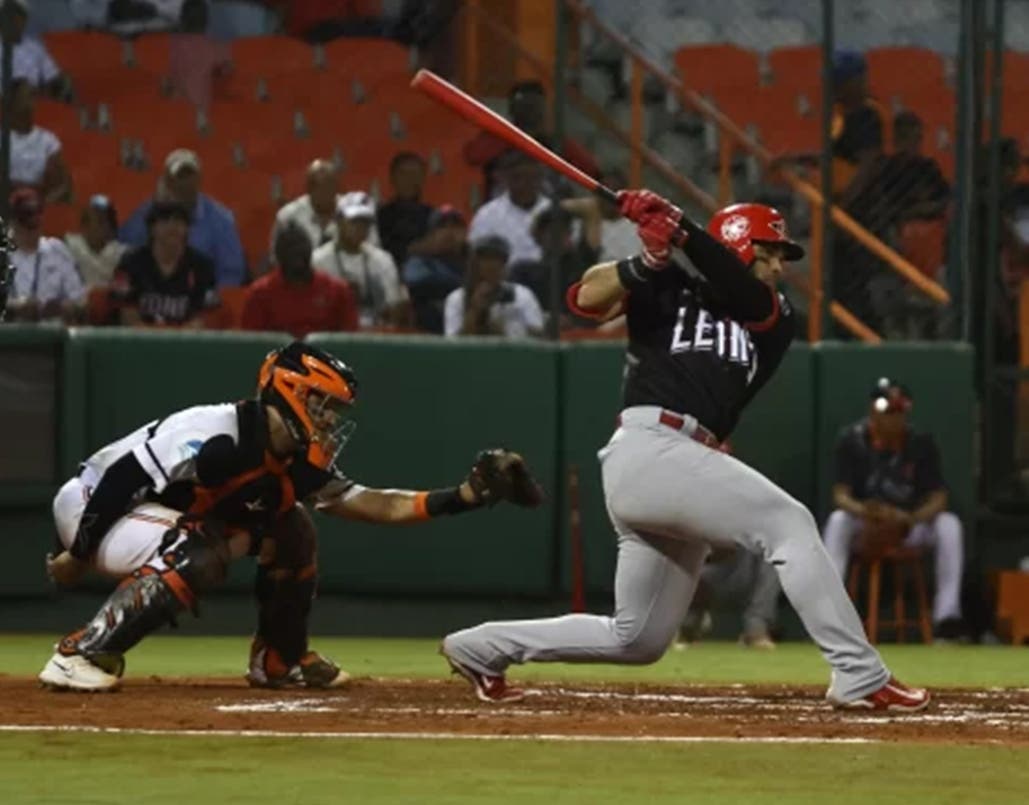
(900, 559)
(1013, 606)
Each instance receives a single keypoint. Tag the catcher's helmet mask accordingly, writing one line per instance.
(313, 392)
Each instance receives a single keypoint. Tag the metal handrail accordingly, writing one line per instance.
(932, 289)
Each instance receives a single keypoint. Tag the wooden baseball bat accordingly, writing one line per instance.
(482, 116)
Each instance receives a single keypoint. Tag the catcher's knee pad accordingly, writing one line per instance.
(149, 598)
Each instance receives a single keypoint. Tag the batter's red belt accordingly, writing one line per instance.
(679, 422)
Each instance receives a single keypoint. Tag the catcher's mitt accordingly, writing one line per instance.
(499, 474)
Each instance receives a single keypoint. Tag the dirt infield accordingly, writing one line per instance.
(378, 706)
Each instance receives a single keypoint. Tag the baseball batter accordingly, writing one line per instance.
(168, 506)
(703, 339)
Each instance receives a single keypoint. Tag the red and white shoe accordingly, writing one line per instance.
(492, 689)
(893, 697)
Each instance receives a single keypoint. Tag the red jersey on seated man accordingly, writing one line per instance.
(296, 299)
(165, 282)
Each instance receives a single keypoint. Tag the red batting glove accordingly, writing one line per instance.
(638, 204)
(659, 232)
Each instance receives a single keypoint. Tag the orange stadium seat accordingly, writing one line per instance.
(799, 68)
(85, 51)
(715, 69)
(255, 227)
(373, 61)
(905, 73)
(60, 118)
(126, 188)
(109, 86)
(271, 55)
(774, 114)
(244, 121)
(310, 89)
(241, 189)
(152, 52)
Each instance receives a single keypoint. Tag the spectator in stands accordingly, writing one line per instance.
(488, 304)
(510, 214)
(36, 159)
(887, 196)
(132, 17)
(166, 281)
(32, 61)
(370, 271)
(296, 299)
(315, 211)
(859, 121)
(527, 108)
(731, 577)
(96, 249)
(603, 224)
(195, 59)
(213, 229)
(889, 491)
(320, 21)
(405, 217)
(561, 247)
(439, 269)
(46, 283)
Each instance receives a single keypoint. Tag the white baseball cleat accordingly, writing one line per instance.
(75, 672)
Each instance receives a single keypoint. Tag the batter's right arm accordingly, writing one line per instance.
(599, 289)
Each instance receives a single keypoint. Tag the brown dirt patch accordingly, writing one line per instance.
(426, 706)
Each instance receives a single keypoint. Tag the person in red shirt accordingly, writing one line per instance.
(527, 108)
(296, 299)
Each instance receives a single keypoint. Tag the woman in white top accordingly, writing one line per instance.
(96, 249)
(36, 159)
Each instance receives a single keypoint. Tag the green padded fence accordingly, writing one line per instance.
(426, 405)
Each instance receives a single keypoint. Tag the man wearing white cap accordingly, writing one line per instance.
(370, 271)
(212, 231)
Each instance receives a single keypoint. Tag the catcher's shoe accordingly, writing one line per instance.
(267, 670)
(893, 697)
(761, 641)
(492, 689)
(75, 672)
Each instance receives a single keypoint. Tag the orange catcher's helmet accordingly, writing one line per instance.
(313, 392)
(740, 226)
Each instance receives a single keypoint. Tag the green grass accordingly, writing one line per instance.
(80, 769)
(941, 666)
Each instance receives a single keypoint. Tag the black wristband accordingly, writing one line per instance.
(632, 272)
(447, 501)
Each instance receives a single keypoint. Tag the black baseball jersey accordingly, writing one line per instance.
(694, 357)
(238, 481)
(161, 299)
(902, 479)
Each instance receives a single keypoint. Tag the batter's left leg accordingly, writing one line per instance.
(654, 581)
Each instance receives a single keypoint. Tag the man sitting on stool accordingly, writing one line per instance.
(888, 479)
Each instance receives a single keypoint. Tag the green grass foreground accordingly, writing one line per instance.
(80, 769)
(799, 663)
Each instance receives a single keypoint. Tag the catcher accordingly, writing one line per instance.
(167, 508)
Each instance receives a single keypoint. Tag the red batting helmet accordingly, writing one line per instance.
(740, 226)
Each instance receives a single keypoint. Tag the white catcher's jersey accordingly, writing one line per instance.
(167, 448)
